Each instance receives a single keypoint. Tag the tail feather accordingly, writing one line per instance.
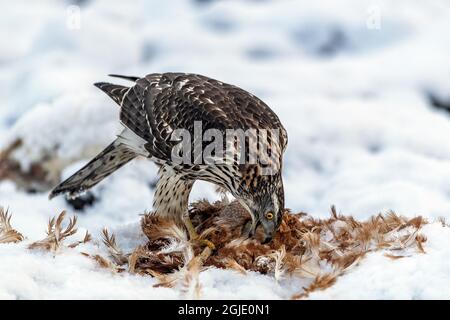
(106, 162)
(130, 78)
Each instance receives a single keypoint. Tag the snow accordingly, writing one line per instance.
(414, 277)
(352, 96)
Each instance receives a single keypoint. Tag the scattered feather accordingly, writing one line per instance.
(317, 249)
(56, 234)
(7, 233)
(87, 238)
(115, 252)
(302, 247)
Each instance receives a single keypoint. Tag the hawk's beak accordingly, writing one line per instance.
(255, 225)
(267, 239)
(268, 233)
(250, 231)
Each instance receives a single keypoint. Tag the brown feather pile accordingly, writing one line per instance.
(56, 234)
(319, 249)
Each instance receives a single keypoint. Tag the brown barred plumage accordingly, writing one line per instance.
(159, 104)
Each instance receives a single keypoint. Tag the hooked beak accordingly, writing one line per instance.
(267, 239)
(255, 225)
(267, 234)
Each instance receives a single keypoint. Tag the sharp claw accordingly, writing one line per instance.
(247, 230)
(194, 236)
(209, 244)
(253, 229)
(205, 243)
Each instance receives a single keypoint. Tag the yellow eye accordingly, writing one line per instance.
(269, 215)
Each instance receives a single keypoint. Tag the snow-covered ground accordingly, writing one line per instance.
(349, 80)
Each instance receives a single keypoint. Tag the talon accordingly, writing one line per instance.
(208, 243)
(193, 235)
(247, 230)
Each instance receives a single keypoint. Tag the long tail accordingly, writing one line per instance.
(106, 162)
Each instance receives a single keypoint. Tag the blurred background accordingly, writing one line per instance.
(362, 87)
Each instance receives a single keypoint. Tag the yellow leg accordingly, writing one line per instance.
(193, 235)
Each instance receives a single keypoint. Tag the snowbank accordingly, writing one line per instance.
(351, 93)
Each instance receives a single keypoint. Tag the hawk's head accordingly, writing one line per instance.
(263, 196)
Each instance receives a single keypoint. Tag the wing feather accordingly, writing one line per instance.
(160, 103)
(114, 91)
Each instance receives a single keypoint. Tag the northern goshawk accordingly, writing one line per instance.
(159, 105)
